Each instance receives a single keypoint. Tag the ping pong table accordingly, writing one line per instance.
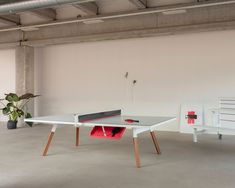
(114, 118)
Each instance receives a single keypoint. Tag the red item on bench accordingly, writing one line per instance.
(191, 120)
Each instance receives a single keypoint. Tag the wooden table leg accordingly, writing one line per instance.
(77, 136)
(155, 142)
(49, 139)
(48, 143)
(136, 149)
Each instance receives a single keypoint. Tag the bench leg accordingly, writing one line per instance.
(136, 149)
(154, 138)
(195, 135)
(49, 140)
(77, 136)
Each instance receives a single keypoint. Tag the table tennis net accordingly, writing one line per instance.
(99, 115)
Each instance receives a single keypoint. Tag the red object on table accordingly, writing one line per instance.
(97, 132)
(132, 121)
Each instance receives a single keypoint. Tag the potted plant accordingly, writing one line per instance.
(15, 107)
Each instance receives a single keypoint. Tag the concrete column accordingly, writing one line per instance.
(24, 62)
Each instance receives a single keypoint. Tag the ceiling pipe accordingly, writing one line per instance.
(123, 14)
(21, 6)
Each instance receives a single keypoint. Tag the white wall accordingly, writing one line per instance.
(7, 74)
(169, 70)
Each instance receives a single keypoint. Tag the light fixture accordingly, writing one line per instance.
(93, 21)
(29, 29)
(171, 12)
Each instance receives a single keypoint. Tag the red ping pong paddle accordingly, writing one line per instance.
(132, 121)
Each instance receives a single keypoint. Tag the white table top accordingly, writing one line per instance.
(69, 119)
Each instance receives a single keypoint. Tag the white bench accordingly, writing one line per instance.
(223, 120)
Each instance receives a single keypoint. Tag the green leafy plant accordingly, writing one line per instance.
(15, 106)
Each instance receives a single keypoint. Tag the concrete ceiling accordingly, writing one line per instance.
(112, 19)
(70, 11)
(73, 10)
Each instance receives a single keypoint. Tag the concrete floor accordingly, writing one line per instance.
(110, 164)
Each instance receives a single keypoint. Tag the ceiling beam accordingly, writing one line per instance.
(133, 34)
(10, 19)
(48, 13)
(89, 8)
(140, 4)
(126, 14)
